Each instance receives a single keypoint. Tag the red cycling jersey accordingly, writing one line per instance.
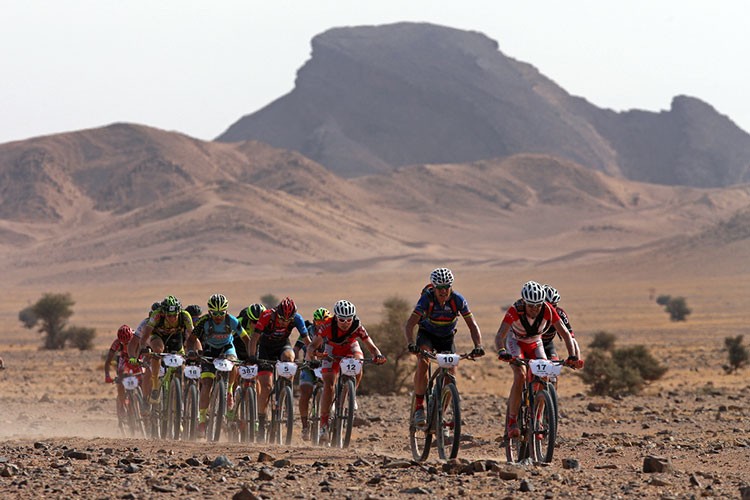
(538, 325)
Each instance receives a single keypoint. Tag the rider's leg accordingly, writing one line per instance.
(329, 379)
(207, 382)
(157, 345)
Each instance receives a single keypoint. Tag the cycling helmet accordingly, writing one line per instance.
(171, 305)
(321, 313)
(532, 293)
(286, 308)
(217, 303)
(155, 306)
(441, 276)
(124, 334)
(551, 295)
(194, 310)
(344, 309)
(254, 310)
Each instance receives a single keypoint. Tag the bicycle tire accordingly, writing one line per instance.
(348, 406)
(285, 417)
(217, 409)
(448, 423)
(251, 398)
(155, 418)
(420, 440)
(314, 417)
(337, 427)
(191, 412)
(517, 448)
(553, 394)
(174, 409)
(543, 427)
(136, 407)
(127, 423)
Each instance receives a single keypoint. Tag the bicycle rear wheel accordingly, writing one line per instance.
(190, 416)
(174, 409)
(420, 440)
(448, 429)
(217, 409)
(314, 417)
(544, 427)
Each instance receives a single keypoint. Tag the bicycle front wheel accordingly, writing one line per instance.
(174, 409)
(286, 415)
(517, 448)
(133, 405)
(348, 403)
(314, 417)
(191, 412)
(448, 429)
(420, 440)
(217, 409)
(544, 427)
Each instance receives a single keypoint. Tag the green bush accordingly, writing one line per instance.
(619, 372)
(269, 300)
(675, 306)
(388, 335)
(81, 337)
(51, 312)
(737, 352)
(603, 340)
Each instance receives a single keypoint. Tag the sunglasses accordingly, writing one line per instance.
(529, 304)
(345, 320)
(217, 314)
(442, 287)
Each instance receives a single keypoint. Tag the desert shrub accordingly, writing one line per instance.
(603, 340)
(662, 300)
(270, 300)
(675, 306)
(737, 353)
(388, 335)
(52, 311)
(619, 372)
(81, 337)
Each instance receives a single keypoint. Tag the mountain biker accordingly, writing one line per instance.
(270, 341)
(119, 348)
(307, 375)
(548, 337)
(195, 312)
(248, 317)
(437, 313)
(216, 337)
(526, 319)
(166, 330)
(340, 334)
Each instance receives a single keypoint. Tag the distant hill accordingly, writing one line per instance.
(128, 202)
(374, 98)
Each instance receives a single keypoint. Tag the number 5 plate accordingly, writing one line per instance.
(286, 369)
(544, 367)
(447, 360)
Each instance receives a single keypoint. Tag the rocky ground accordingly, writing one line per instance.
(61, 442)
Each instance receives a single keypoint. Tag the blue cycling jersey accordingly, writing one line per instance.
(441, 320)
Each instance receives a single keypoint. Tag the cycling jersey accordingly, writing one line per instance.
(222, 334)
(339, 342)
(550, 332)
(161, 329)
(546, 317)
(139, 330)
(440, 320)
(273, 333)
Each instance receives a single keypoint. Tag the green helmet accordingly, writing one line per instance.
(171, 305)
(321, 313)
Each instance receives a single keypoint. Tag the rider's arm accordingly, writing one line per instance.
(502, 334)
(313, 346)
(108, 361)
(304, 334)
(476, 335)
(565, 335)
(409, 327)
(371, 347)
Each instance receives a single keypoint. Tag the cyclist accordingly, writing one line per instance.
(527, 319)
(340, 334)
(119, 348)
(248, 317)
(548, 337)
(195, 312)
(135, 347)
(307, 375)
(270, 341)
(437, 313)
(166, 330)
(216, 337)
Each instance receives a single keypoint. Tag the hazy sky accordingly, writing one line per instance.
(198, 66)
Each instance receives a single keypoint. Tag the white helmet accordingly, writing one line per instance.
(551, 294)
(533, 293)
(344, 309)
(441, 276)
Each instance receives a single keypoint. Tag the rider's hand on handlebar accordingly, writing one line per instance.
(574, 362)
(379, 359)
(477, 352)
(192, 355)
(133, 361)
(108, 379)
(504, 355)
(252, 359)
(412, 348)
(314, 363)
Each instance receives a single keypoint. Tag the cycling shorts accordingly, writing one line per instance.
(208, 370)
(173, 343)
(435, 343)
(526, 350)
(348, 350)
(271, 352)
(307, 377)
(550, 350)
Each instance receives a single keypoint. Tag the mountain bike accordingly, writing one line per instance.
(345, 400)
(166, 414)
(537, 415)
(281, 402)
(442, 409)
(131, 423)
(245, 416)
(314, 413)
(191, 396)
(217, 405)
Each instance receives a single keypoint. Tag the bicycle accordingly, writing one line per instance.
(281, 402)
(345, 400)
(537, 415)
(191, 396)
(132, 403)
(217, 405)
(314, 414)
(242, 425)
(443, 409)
(166, 414)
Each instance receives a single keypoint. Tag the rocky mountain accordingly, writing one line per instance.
(128, 201)
(374, 98)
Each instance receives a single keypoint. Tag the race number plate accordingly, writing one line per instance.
(447, 360)
(318, 372)
(193, 372)
(544, 368)
(223, 365)
(351, 366)
(130, 383)
(248, 371)
(173, 360)
(286, 369)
